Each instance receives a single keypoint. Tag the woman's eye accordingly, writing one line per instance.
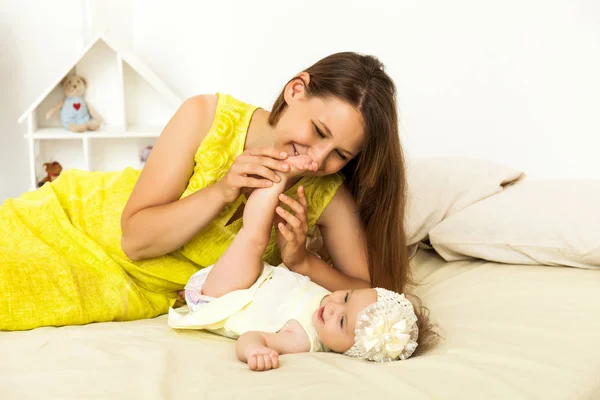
(340, 155)
(319, 132)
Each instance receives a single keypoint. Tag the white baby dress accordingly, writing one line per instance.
(278, 296)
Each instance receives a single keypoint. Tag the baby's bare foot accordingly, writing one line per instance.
(299, 164)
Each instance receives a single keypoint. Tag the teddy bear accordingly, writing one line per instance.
(75, 114)
(53, 170)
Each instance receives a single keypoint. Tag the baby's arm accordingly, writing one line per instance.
(241, 264)
(261, 350)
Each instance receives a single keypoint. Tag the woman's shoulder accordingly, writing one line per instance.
(340, 205)
(202, 106)
(209, 108)
(209, 104)
(191, 123)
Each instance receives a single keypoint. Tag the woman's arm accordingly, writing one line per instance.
(345, 241)
(327, 276)
(154, 222)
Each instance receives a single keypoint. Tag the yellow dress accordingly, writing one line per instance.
(61, 261)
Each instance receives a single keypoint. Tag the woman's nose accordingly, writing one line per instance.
(318, 154)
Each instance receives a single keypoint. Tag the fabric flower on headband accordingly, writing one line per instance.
(386, 330)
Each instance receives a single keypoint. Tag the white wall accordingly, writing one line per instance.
(34, 47)
(514, 81)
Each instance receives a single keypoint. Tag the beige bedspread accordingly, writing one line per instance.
(511, 332)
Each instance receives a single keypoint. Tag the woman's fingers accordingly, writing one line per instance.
(302, 198)
(260, 170)
(286, 232)
(277, 220)
(271, 163)
(269, 152)
(254, 183)
(297, 207)
(248, 164)
(289, 218)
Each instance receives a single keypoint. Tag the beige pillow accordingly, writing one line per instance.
(441, 186)
(533, 222)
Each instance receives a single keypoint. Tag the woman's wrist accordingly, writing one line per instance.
(302, 265)
(221, 192)
(326, 275)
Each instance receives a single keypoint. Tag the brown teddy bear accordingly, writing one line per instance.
(53, 170)
(75, 114)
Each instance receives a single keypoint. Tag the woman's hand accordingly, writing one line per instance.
(253, 168)
(292, 230)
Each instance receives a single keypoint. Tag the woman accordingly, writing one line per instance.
(67, 260)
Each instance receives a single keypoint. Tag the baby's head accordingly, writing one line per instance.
(373, 324)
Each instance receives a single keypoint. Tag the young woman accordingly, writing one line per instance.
(107, 246)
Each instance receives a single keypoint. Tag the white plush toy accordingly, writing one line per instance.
(75, 114)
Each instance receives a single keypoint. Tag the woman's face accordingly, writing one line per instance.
(328, 130)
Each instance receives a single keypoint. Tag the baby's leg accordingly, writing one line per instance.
(241, 264)
(238, 268)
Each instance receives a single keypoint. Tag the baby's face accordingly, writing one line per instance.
(335, 320)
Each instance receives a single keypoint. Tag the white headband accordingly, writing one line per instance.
(386, 330)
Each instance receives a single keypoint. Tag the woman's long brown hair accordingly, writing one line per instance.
(376, 177)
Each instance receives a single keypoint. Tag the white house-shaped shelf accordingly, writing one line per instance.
(134, 103)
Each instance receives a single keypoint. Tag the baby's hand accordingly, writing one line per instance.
(262, 358)
(298, 165)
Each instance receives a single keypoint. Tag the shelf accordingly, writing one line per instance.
(134, 103)
(58, 133)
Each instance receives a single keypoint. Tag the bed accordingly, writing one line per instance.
(516, 324)
(510, 332)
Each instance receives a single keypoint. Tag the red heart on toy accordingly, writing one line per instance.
(77, 106)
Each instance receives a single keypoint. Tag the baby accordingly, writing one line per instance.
(272, 310)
